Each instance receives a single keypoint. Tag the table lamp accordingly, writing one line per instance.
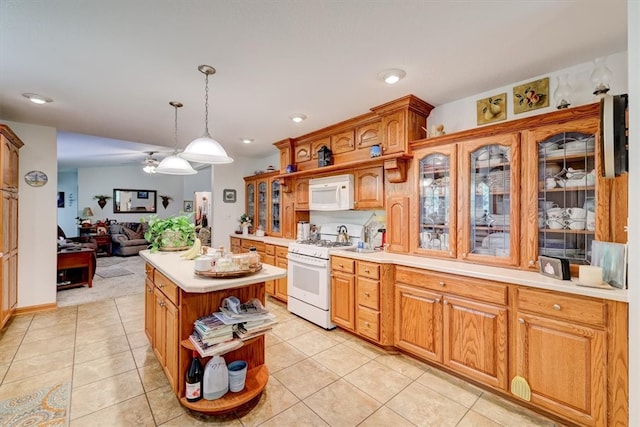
(87, 213)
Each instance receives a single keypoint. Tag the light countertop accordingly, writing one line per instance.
(181, 272)
(498, 274)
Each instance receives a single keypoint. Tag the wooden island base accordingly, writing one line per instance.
(170, 312)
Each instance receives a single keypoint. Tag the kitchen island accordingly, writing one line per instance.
(174, 298)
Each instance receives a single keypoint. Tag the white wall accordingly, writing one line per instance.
(68, 182)
(634, 206)
(37, 216)
(461, 114)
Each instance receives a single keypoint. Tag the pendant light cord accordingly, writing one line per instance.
(175, 132)
(206, 104)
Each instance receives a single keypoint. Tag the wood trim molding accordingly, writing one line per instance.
(36, 308)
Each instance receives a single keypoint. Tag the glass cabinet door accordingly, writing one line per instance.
(250, 194)
(262, 205)
(275, 226)
(564, 172)
(490, 183)
(437, 202)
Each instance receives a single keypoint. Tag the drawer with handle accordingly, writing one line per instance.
(368, 323)
(563, 306)
(368, 293)
(368, 269)
(167, 287)
(346, 265)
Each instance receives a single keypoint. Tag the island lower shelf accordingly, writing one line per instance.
(256, 381)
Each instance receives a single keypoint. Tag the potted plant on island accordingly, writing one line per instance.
(102, 199)
(174, 233)
(245, 223)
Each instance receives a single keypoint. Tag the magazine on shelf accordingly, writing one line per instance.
(227, 320)
(213, 350)
(214, 340)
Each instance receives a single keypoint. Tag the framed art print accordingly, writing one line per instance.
(187, 206)
(612, 257)
(229, 195)
(558, 268)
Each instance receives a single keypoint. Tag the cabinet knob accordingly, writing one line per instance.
(464, 255)
(160, 285)
(441, 283)
(366, 294)
(532, 262)
(149, 290)
(366, 324)
(341, 265)
(521, 320)
(556, 306)
(437, 300)
(161, 303)
(445, 302)
(366, 270)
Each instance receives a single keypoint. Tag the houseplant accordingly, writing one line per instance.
(245, 223)
(102, 199)
(171, 234)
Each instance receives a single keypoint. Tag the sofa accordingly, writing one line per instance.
(127, 238)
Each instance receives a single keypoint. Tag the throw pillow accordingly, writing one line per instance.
(133, 230)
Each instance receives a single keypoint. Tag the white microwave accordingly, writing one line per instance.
(333, 193)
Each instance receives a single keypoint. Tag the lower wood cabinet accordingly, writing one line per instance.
(269, 258)
(281, 284)
(166, 340)
(561, 353)
(418, 322)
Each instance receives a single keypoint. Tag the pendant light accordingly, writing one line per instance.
(174, 165)
(206, 149)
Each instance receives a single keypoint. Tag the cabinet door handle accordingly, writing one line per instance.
(441, 283)
(532, 262)
(556, 306)
(521, 320)
(366, 270)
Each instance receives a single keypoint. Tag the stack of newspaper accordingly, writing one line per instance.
(211, 336)
(248, 320)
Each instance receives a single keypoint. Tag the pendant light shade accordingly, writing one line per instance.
(206, 149)
(174, 165)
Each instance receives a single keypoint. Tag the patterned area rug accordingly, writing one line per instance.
(108, 261)
(112, 272)
(46, 407)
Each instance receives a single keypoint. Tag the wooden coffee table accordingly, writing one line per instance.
(75, 268)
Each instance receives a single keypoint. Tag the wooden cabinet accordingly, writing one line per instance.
(394, 139)
(275, 208)
(342, 142)
(374, 301)
(369, 188)
(564, 192)
(302, 194)
(286, 157)
(456, 321)
(436, 183)
(488, 183)
(235, 245)
(269, 258)
(368, 135)
(316, 146)
(302, 152)
(397, 223)
(343, 292)
(10, 145)
(561, 354)
(260, 192)
(281, 284)
(149, 301)
(166, 326)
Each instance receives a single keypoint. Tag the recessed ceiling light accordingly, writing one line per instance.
(246, 140)
(392, 76)
(298, 117)
(37, 99)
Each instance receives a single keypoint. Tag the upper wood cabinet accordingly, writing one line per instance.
(489, 206)
(286, 157)
(342, 142)
(10, 144)
(369, 187)
(368, 135)
(302, 152)
(275, 208)
(394, 140)
(259, 193)
(566, 197)
(301, 194)
(317, 145)
(398, 215)
(436, 183)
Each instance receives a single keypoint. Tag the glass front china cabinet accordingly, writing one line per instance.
(275, 226)
(565, 172)
(261, 220)
(437, 202)
(250, 195)
(489, 184)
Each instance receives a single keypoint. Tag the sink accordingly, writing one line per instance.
(361, 251)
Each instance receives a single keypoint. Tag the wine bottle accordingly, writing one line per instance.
(194, 376)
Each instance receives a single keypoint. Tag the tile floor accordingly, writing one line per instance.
(318, 377)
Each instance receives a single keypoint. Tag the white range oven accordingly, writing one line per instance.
(309, 273)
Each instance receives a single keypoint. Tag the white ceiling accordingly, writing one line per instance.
(113, 66)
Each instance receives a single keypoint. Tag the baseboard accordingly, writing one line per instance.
(35, 308)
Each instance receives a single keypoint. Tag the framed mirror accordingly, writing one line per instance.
(134, 201)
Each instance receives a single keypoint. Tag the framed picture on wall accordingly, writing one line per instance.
(61, 199)
(187, 206)
(229, 195)
(143, 194)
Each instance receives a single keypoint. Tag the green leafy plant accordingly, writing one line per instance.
(245, 219)
(174, 231)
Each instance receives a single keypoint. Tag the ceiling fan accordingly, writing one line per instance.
(150, 163)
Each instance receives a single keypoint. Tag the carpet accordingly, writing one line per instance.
(46, 407)
(108, 262)
(113, 272)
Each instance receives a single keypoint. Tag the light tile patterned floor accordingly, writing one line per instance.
(318, 377)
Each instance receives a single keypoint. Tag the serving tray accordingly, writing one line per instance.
(227, 274)
(174, 248)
